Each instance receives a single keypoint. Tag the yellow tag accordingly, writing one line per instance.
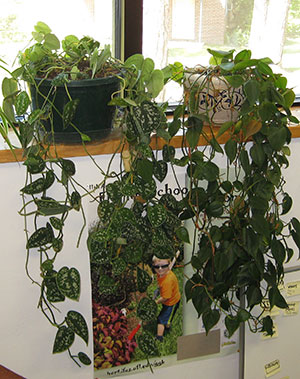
(293, 308)
(292, 288)
(272, 368)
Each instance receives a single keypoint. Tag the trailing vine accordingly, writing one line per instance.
(238, 210)
(240, 236)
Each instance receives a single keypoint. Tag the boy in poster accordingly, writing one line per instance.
(169, 294)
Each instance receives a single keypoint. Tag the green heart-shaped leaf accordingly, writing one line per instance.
(232, 324)
(183, 234)
(210, 319)
(145, 169)
(160, 170)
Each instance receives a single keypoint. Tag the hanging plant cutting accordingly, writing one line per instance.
(239, 210)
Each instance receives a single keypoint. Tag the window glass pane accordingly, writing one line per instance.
(179, 7)
(78, 17)
(182, 30)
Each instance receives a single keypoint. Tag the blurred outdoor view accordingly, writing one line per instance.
(78, 17)
(182, 30)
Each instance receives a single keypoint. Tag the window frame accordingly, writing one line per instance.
(133, 27)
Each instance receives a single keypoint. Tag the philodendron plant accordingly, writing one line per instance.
(239, 210)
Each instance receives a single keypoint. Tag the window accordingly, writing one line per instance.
(182, 30)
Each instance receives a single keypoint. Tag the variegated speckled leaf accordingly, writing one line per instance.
(40, 237)
(105, 210)
(123, 216)
(99, 253)
(68, 282)
(84, 358)
(118, 266)
(147, 309)
(147, 343)
(77, 323)
(143, 280)
(160, 170)
(106, 285)
(101, 235)
(53, 294)
(133, 254)
(156, 215)
(63, 340)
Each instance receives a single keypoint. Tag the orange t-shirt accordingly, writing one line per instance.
(169, 288)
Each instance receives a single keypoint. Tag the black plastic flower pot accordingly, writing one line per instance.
(93, 115)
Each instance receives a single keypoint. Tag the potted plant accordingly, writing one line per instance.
(239, 209)
(70, 82)
(208, 93)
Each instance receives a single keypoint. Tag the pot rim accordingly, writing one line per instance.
(80, 83)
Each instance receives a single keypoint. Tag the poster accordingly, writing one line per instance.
(117, 325)
(118, 277)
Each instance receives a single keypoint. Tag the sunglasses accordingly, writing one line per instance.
(160, 266)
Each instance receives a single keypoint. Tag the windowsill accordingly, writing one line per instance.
(112, 144)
